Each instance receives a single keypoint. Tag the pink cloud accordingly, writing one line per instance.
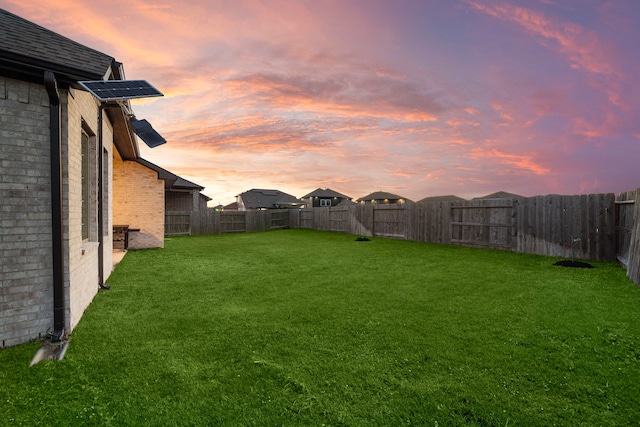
(347, 93)
(583, 48)
(360, 95)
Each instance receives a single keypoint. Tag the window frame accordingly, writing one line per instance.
(85, 184)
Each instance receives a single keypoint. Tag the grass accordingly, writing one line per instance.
(299, 327)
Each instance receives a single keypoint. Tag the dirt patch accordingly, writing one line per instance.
(574, 264)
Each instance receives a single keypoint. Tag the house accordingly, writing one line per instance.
(381, 197)
(499, 195)
(138, 205)
(231, 207)
(447, 198)
(68, 167)
(326, 197)
(180, 198)
(257, 199)
(180, 194)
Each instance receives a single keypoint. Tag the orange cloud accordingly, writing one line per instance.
(459, 141)
(351, 93)
(71, 18)
(458, 122)
(256, 133)
(403, 173)
(522, 162)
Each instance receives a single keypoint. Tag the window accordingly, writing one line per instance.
(85, 185)
(89, 183)
(325, 202)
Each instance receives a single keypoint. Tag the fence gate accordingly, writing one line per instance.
(306, 218)
(389, 221)
(339, 219)
(280, 219)
(483, 223)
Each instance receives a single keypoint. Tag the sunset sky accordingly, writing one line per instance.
(418, 98)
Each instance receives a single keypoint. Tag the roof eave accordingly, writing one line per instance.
(31, 69)
(123, 137)
(168, 177)
(35, 68)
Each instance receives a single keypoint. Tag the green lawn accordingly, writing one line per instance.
(300, 327)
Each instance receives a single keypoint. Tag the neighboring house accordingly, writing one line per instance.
(180, 194)
(138, 206)
(499, 195)
(257, 199)
(326, 197)
(381, 197)
(231, 207)
(180, 197)
(448, 198)
(60, 152)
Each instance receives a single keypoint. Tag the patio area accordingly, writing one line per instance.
(117, 256)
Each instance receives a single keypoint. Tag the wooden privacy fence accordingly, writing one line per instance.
(210, 221)
(593, 226)
(546, 225)
(177, 224)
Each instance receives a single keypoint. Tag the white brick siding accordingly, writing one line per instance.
(83, 276)
(139, 203)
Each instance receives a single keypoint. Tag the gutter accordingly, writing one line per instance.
(34, 67)
(55, 138)
(101, 284)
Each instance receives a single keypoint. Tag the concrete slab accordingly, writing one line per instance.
(117, 256)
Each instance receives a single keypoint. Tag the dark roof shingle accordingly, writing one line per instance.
(500, 195)
(381, 195)
(171, 180)
(447, 198)
(25, 45)
(268, 199)
(327, 192)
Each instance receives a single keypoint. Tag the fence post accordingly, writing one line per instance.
(633, 272)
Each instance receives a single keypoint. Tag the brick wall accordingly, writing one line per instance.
(26, 310)
(138, 202)
(82, 279)
(26, 282)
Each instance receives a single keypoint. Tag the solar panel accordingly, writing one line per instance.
(147, 133)
(111, 90)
